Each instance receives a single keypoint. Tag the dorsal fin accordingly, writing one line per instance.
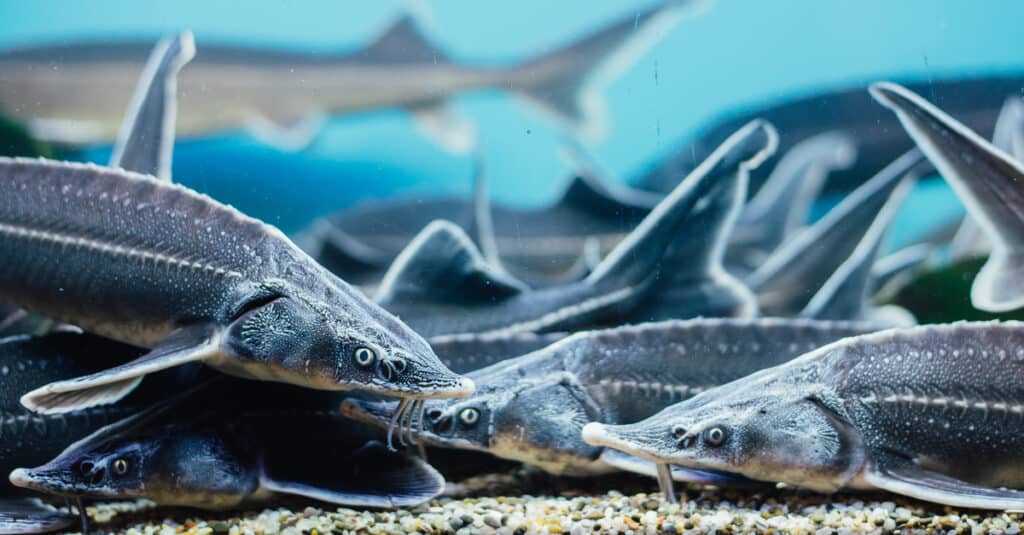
(441, 265)
(846, 294)
(988, 181)
(404, 42)
(813, 254)
(146, 139)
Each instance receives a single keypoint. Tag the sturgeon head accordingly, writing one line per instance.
(533, 420)
(775, 425)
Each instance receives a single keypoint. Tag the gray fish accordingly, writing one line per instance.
(975, 99)
(787, 280)
(187, 455)
(440, 285)
(75, 92)
(592, 215)
(986, 179)
(932, 412)
(160, 266)
(143, 145)
(30, 439)
(532, 408)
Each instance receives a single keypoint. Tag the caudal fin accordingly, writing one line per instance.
(679, 245)
(566, 82)
(784, 283)
(987, 180)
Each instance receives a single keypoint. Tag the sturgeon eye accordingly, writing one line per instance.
(365, 356)
(714, 436)
(120, 467)
(469, 416)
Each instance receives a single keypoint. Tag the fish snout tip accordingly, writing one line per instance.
(21, 477)
(464, 388)
(595, 434)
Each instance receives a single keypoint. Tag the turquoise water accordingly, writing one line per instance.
(736, 54)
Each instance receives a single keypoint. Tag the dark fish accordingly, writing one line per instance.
(27, 439)
(532, 408)
(986, 179)
(194, 451)
(160, 266)
(932, 412)
(441, 285)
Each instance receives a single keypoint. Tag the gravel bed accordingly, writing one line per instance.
(576, 508)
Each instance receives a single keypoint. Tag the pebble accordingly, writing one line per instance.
(577, 512)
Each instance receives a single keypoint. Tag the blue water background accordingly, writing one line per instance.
(737, 54)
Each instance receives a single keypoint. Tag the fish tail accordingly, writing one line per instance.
(566, 82)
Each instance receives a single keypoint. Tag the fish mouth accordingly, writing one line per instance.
(42, 482)
(388, 415)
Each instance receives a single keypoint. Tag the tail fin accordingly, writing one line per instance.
(845, 295)
(706, 205)
(810, 257)
(988, 181)
(969, 241)
(565, 82)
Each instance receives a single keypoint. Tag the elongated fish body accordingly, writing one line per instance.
(157, 265)
(358, 244)
(210, 451)
(76, 93)
(531, 408)
(28, 439)
(932, 412)
(442, 285)
(126, 256)
(976, 101)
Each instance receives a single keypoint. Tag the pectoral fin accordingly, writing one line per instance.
(32, 516)
(371, 476)
(909, 479)
(188, 344)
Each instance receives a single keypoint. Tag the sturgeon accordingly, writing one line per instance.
(75, 93)
(592, 215)
(531, 408)
(986, 179)
(144, 143)
(931, 412)
(201, 450)
(160, 266)
(441, 285)
(27, 439)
